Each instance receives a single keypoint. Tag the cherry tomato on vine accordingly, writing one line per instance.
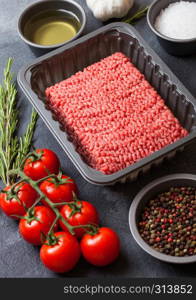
(17, 201)
(41, 163)
(58, 189)
(80, 213)
(37, 224)
(102, 248)
(63, 254)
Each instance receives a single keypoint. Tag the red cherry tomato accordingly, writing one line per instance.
(58, 189)
(33, 228)
(63, 256)
(102, 248)
(85, 214)
(41, 166)
(26, 197)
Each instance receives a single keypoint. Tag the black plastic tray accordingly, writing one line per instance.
(67, 60)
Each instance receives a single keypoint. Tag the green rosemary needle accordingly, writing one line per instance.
(25, 142)
(138, 15)
(12, 149)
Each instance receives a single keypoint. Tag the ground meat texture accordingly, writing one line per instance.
(113, 115)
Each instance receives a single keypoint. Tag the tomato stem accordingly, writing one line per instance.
(52, 240)
(62, 203)
(15, 184)
(34, 155)
(58, 180)
(12, 194)
(92, 229)
(44, 178)
(35, 203)
(35, 185)
(53, 224)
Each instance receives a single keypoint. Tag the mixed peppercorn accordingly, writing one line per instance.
(168, 222)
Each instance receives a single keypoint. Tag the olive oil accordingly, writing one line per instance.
(51, 28)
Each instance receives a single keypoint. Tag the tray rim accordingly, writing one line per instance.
(92, 175)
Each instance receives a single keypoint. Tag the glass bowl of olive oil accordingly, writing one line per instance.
(50, 24)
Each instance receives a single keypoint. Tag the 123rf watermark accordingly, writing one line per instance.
(154, 289)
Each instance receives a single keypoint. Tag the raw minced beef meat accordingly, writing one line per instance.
(113, 115)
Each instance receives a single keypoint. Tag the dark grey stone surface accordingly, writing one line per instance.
(19, 259)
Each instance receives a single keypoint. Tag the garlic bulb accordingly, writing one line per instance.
(107, 9)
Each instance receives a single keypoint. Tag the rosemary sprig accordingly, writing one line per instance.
(8, 123)
(10, 146)
(26, 140)
(138, 15)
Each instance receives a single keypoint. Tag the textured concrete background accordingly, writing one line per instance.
(19, 259)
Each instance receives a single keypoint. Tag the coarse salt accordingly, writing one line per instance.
(178, 20)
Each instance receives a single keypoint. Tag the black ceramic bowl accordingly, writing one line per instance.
(141, 199)
(70, 7)
(179, 47)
